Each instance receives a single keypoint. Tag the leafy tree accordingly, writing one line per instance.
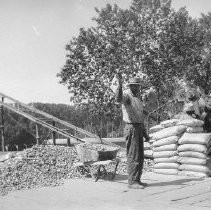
(199, 70)
(149, 38)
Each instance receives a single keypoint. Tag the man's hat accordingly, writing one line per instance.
(134, 81)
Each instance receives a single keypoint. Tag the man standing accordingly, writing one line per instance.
(132, 109)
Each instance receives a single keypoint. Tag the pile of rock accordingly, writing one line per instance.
(37, 166)
(46, 165)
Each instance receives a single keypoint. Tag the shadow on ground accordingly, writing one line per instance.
(120, 177)
(174, 182)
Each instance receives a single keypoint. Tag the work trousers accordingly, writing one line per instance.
(135, 151)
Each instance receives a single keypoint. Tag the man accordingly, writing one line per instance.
(132, 109)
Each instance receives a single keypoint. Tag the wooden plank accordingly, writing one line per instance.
(37, 134)
(2, 127)
(54, 134)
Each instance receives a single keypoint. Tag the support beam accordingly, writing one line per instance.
(68, 142)
(46, 115)
(54, 134)
(37, 134)
(2, 126)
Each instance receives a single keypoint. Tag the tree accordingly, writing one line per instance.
(200, 68)
(149, 39)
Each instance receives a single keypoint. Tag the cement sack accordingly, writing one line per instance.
(194, 130)
(192, 161)
(166, 132)
(166, 171)
(182, 116)
(191, 123)
(155, 128)
(192, 154)
(209, 150)
(166, 165)
(197, 168)
(192, 147)
(172, 159)
(169, 123)
(148, 154)
(164, 154)
(169, 147)
(147, 146)
(195, 138)
(166, 141)
(193, 174)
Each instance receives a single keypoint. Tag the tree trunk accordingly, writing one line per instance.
(206, 86)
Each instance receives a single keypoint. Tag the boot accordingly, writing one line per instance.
(143, 184)
(135, 185)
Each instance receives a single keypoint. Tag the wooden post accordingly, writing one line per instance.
(76, 132)
(54, 134)
(2, 126)
(68, 142)
(107, 129)
(37, 134)
(101, 127)
(112, 128)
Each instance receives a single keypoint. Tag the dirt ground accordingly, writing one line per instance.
(163, 192)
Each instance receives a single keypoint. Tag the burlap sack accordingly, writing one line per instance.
(197, 168)
(192, 147)
(193, 174)
(192, 161)
(169, 123)
(168, 147)
(172, 159)
(166, 171)
(194, 130)
(191, 122)
(166, 132)
(166, 141)
(164, 154)
(192, 154)
(166, 165)
(155, 128)
(195, 138)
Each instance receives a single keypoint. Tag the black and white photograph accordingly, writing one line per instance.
(105, 105)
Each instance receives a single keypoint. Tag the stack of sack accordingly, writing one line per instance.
(165, 139)
(193, 150)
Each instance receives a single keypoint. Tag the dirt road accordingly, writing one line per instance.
(163, 192)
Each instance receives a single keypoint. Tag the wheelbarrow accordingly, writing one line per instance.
(98, 155)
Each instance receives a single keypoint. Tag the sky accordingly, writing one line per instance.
(33, 36)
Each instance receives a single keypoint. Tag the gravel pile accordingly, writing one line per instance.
(37, 166)
(99, 147)
(46, 165)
